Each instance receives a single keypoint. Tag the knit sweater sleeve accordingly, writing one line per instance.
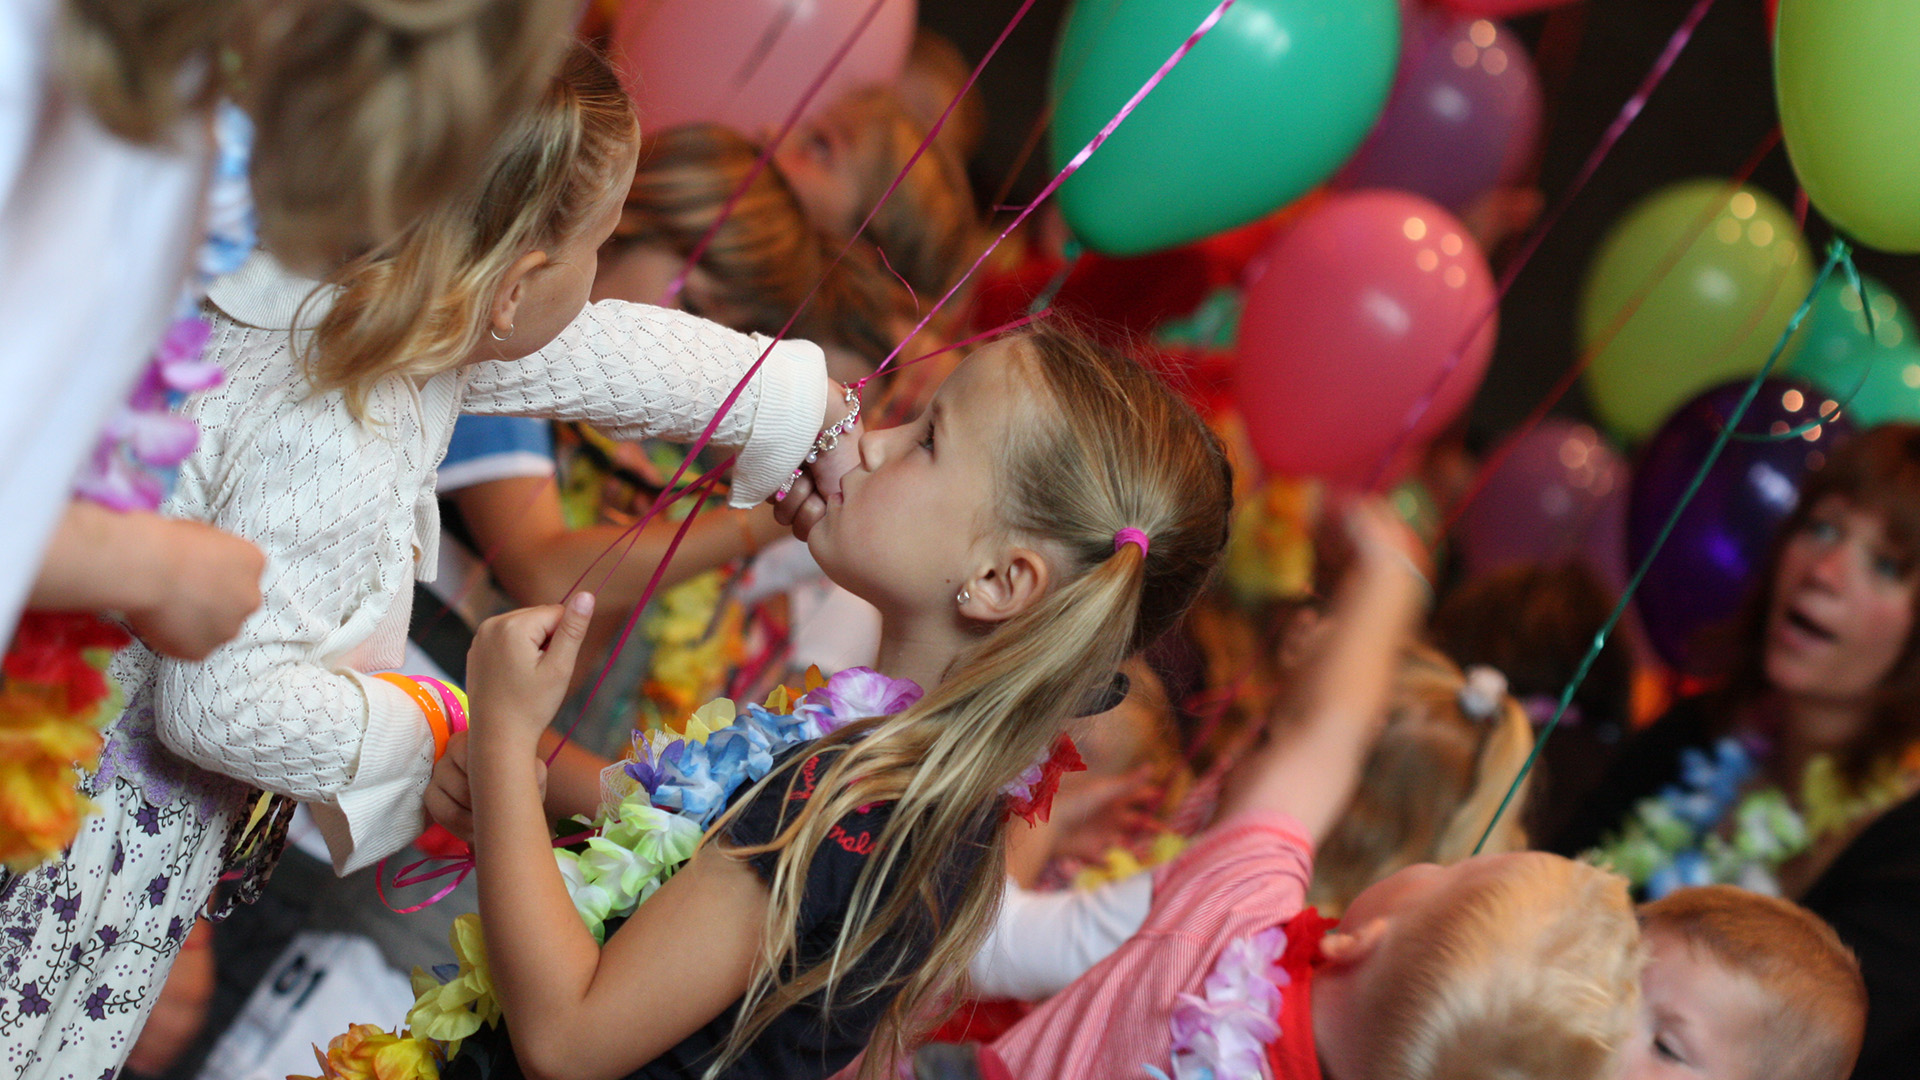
(636, 371)
(277, 706)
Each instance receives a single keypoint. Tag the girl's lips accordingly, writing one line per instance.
(1800, 633)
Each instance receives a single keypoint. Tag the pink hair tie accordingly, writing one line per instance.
(1130, 536)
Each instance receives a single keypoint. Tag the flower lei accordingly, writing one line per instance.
(1703, 831)
(55, 696)
(655, 807)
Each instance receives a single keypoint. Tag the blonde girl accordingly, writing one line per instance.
(319, 448)
(1053, 511)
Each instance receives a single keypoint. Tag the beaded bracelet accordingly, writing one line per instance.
(430, 707)
(827, 441)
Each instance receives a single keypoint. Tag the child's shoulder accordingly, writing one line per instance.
(1258, 861)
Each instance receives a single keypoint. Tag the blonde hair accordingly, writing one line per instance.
(1101, 446)
(1816, 1001)
(766, 256)
(1533, 974)
(927, 229)
(418, 306)
(1430, 785)
(366, 112)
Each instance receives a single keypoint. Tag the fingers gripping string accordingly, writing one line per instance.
(1836, 255)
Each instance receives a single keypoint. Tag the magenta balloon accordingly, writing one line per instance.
(744, 63)
(1464, 116)
(1500, 9)
(1351, 315)
(1559, 493)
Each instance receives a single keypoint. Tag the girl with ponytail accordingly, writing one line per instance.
(1054, 511)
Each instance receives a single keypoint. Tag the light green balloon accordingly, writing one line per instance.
(1275, 98)
(1877, 376)
(1714, 316)
(1847, 76)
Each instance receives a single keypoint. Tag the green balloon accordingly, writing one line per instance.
(1275, 98)
(1877, 375)
(1714, 316)
(1847, 74)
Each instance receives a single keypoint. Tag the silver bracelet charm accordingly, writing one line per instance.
(827, 441)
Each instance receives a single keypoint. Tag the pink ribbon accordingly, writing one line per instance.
(1628, 113)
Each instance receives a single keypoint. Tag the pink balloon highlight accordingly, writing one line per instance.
(1348, 326)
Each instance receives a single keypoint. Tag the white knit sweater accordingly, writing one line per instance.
(346, 514)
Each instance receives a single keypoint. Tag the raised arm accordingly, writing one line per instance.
(1310, 765)
(636, 371)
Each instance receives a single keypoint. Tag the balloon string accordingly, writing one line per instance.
(765, 158)
(1836, 255)
(1080, 157)
(1538, 414)
(1624, 119)
(1828, 415)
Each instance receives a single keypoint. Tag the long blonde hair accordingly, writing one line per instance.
(419, 306)
(366, 112)
(766, 256)
(1430, 784)
(1103, 446)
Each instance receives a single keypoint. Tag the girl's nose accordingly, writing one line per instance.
(873, 447)
(1831, 567)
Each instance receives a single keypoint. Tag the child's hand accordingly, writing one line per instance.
(450, 794)
(1382, 541)
(803, 507)
(519, 667)
(206, 584)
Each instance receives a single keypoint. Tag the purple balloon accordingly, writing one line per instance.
(1721, 541)
(1560, 493)
(1464, 116)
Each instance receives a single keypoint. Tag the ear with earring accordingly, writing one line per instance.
(963, 597)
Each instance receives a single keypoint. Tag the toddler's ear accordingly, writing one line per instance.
(1345, 949)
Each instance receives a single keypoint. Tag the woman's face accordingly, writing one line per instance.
(820, 162)
(1842, 606)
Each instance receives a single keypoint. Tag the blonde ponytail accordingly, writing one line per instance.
(1105, 448)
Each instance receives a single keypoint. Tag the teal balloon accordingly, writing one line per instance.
(1834, 351)
(1270, 103)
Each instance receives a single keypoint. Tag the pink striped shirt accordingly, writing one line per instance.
(1244, 876)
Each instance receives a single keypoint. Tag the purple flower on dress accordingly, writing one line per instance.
(109, 935)
(77, 952)
(148, 818)
(157, 890)
(108, 1075)
(857, 693)
(66, 907)
(97, 1003)
(175, 928)
(32, 1003)
(120, 853)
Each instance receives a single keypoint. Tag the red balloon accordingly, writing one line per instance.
(1500, 9)
(1349, 321)
(744, 63)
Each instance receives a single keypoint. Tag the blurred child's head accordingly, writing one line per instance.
(1500, 967)
(987, 529)
(366, 114)
(1741, 986)
(841, 162)
(762, 261)
(498, 272)
(935, 74)
(1452, 745)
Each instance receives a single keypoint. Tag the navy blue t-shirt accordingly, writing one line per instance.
(808, 1041)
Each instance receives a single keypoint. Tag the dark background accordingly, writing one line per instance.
(1706, 119)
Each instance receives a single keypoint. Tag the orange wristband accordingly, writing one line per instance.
(430, 707)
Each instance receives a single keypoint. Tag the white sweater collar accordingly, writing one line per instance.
(264, 294)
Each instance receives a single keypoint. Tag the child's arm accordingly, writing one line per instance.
(635, 371)
(577, 1010)
(1310, 766)
(569, 784)
(184, 587)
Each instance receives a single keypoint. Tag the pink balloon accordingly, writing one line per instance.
(1560, 493)
(1500, 9)
(1351, 315)
(744, 63)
